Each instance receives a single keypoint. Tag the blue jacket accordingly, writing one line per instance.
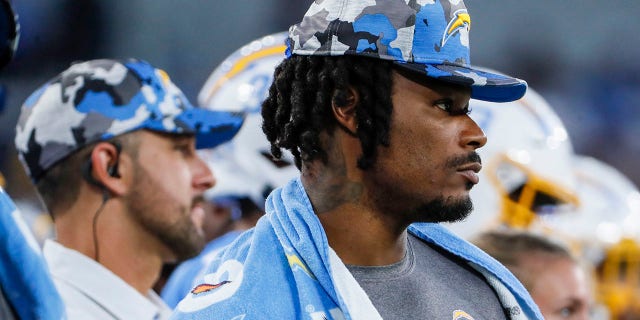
(285, 269)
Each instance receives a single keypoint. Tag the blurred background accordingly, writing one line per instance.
(580, 55)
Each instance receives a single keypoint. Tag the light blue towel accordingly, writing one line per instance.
(285, 269)
(181, 280)
(24, 277)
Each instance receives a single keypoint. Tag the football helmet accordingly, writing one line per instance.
(606, 229)
(526, 166)
(245, 167)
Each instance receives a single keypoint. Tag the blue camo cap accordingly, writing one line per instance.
(97, 100)
(430, 37)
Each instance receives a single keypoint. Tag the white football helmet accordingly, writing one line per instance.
(526, 165)
(244, 167)
(606, 229)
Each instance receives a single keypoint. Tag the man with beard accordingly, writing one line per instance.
(111, 148)
(372, 100)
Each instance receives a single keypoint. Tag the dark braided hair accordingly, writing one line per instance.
(298, 107)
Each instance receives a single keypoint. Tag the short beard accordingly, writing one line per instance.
(146, 202)
(439, 210)
(448, 210)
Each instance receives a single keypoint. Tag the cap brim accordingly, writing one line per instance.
(486, 86)
(211, 128)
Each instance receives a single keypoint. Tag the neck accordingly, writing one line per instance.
(356, 229)
(361, 238)
(121, 249)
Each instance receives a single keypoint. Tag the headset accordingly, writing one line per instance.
(111, 171)
(86, 174)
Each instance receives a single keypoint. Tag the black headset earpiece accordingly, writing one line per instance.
(86, 174)
(112, 171)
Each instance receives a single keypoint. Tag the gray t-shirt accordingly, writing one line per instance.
(428, 284)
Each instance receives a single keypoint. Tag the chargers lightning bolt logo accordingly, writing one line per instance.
(461, 315)
(461, 20)
(294, 261)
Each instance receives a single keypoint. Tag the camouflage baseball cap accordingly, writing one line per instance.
(100, 99)
(426, 36)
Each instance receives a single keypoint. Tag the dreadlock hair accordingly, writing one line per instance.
(298, 107)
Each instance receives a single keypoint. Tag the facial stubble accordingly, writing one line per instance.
(152, 207)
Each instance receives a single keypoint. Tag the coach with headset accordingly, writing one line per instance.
(111, 148)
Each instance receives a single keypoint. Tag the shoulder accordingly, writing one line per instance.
(78, 305)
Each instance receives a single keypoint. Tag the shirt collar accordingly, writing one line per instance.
(101, 285)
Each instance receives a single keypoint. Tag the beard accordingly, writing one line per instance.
(451, 209)
(436, 209)
(154, 209)
(440, 210)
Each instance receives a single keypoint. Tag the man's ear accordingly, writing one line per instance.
(104, 169)
(343, 105)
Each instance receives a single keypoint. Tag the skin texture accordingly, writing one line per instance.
(172, 215)
(560, 287)
(416, 178)
(153, 215)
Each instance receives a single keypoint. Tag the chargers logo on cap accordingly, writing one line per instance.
(461, 315)
(461, 21)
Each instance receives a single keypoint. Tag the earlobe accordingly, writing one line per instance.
(343, 105)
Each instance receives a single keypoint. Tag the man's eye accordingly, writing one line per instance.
(184, 148)
(449, 108)
(444, 105)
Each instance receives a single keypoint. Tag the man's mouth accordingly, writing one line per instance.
(470, 172)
